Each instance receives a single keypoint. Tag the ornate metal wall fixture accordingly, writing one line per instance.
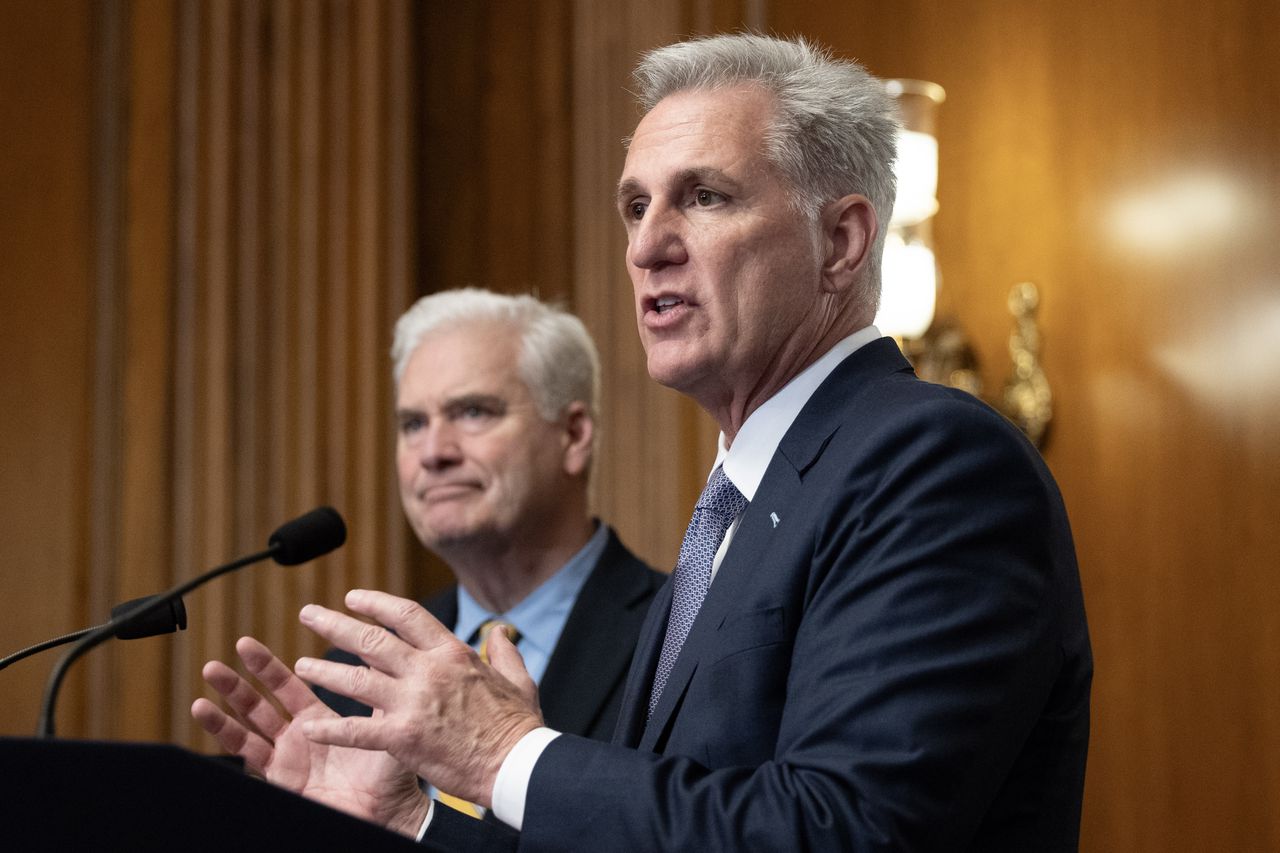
(945, 355)
(1027, 400)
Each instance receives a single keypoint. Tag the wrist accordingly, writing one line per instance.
(407, 818)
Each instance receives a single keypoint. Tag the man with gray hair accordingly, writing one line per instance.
(495, 415)
(874, 637)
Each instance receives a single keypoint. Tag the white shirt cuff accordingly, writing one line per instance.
(511, 788)
(426, 821)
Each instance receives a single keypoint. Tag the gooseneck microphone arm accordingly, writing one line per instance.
(97, 636)
(47, 644)
(157, 623)
(305, 538)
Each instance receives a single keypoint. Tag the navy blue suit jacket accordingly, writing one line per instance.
(893, 656)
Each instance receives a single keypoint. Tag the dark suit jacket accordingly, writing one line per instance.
(893, 656)
(582, 686)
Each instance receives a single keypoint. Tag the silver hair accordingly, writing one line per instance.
(557, 361)
(834, 132)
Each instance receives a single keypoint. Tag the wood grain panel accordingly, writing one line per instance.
(104, 470)
(46, 321)
(145, 193)
(219, 272)
(1124, 157)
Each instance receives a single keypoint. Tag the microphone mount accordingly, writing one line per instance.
(175, 621)
(304, 538)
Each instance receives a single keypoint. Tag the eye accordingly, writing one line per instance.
(411, 424)
(704, 197)
(636, 209)
(475, 414)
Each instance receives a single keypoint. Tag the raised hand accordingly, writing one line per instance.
(369, 785)
(444, 713)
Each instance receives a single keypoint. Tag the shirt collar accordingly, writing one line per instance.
(758, 439)
(541, 615)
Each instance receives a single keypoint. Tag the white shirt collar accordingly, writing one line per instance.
(758, 439)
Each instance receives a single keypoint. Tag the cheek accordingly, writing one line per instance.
(406, 468)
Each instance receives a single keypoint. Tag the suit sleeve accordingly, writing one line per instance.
(452, 830)
(924, 633)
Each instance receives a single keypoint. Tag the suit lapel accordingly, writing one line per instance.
(749, 552)
(635, 698)
(444, 606)
(584, 670)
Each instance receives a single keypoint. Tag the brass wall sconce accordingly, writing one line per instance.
(940, 351)
(944, 355)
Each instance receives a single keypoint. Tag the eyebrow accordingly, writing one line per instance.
(484, 401)
(626, 189)
(478, 398)
(630, 187)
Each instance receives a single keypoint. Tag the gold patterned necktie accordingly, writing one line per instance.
(483, 633)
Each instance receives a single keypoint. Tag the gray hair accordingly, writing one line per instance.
(835, 129)
(557, 361)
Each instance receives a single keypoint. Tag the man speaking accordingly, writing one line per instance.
(874, 637)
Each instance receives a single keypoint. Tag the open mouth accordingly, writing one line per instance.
(664, 304)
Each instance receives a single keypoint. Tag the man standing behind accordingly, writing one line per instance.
(495, 400)
(874, 638)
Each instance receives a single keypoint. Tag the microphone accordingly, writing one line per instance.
(307, 537)
(165, 620)
(304, 538)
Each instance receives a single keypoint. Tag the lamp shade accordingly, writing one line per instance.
(909, 272)
(909, 292)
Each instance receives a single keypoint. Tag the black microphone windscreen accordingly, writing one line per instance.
(308, 536)
(163, 620)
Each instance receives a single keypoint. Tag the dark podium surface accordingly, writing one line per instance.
(72, 795)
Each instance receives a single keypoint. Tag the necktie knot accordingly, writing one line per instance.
(722, 497)
(484, 631)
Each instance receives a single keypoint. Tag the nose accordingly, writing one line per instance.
(437, 446)
(656, 240)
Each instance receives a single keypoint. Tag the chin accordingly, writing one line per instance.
(453, 537)
(678, 374)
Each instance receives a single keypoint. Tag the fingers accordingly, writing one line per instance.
(506, 659)
(232, 736)
(361, 683)
(286, 687)
(415, 629)
(372, 643)
(359, 732)
(407, 618)
(243, 698)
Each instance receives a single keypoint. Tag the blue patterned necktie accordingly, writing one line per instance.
(719, 505)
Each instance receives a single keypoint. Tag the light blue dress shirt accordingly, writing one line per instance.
(541, 616)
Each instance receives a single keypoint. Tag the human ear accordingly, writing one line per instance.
(578, 438)
(849, 229)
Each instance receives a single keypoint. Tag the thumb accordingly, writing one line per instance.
(505, 658)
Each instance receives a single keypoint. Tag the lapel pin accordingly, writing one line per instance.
(773, 516)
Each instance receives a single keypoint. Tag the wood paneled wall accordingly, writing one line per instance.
(1125, 156)
(211, 295)
(46, 320)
